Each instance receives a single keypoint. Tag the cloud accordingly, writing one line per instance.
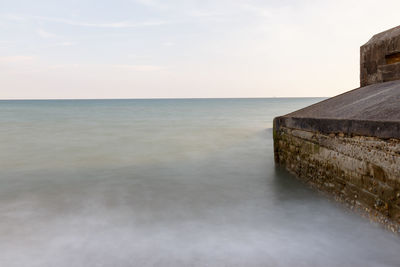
(151, 3)
(140, 68)
(116, 24)
(169, 44)
(45, 34)
(18, 64)
(65, 44)
(16, 59)
(108, 67)
(5, 44)
(257, 10)
(13, 17)
(189, 8)
(206, 13)
(121, 24)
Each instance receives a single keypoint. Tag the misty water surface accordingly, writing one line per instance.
(165, 183)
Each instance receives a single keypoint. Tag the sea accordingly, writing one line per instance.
(166, 182)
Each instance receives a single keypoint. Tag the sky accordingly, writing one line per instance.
(52, 49)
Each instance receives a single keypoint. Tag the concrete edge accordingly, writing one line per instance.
(380, 129)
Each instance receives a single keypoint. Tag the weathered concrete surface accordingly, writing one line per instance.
(363, 172)
(380, 58)
(349, 145)
(370, 111)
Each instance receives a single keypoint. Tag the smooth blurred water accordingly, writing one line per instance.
(165, 183)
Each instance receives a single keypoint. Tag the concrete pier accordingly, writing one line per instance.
(348, 146)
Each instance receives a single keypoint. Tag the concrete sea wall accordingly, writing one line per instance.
(348, 146)
(361, 171)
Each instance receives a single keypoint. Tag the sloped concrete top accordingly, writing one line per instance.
(374, 102)
(373, 110)
(383, 36)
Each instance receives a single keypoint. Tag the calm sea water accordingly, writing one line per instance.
(165, 183)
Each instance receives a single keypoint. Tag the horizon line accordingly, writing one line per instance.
(156, 98)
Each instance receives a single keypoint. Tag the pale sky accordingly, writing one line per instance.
(185, 48)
